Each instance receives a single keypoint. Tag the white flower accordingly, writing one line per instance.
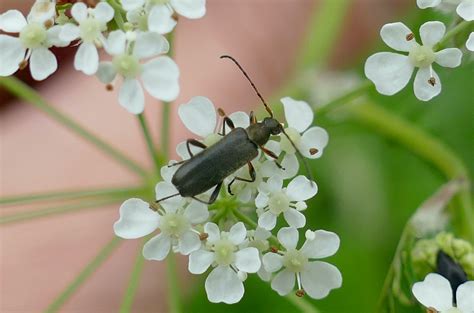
(391, 72)
(464, 8)
(273, 199)
(32, 44)
(315, 278)
(258, 239)
(159, 75)
(92, 22)
(157, 15)
(435, 292)
(470, 42)
(43, 11)
(230, 262)
(175, 225)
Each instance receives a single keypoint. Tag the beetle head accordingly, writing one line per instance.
(272, 125)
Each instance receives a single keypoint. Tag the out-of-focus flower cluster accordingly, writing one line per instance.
(215, 236)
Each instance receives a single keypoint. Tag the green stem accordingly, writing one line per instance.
(90, 268)
(452, 33)
(149, 141)
(118, 18)
(165, 129)
(302, 304)
(173, 286)
(23, 91)
(69, 195)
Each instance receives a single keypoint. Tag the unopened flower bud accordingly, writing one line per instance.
(461, 247)
(242, 275)
(301, 206)
(309, 234)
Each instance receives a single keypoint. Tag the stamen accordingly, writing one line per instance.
(432, 81)
(203, 236)
(410, 36)
(109, 87)
(300, 293)
(431, 310)
(175, 16)
(313, 151)
(274, 249)
(23, 64)
(154, 206)
(48, 23)
(221, 112)
(298, 280)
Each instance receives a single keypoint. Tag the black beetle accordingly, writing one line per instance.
(238, 148)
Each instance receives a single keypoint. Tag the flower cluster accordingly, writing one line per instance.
(214, 235)
(391, 72)
(132, 34)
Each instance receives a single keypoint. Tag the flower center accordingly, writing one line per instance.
(174, 224)
(285, 144)
(422, 56)
(278, 203)
(224, 252)
(90, 29)
(294, 260)
(127, 65)
(33, 35)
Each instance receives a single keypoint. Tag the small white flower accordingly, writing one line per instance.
(159, 75)
(157, 15)
(258, 239)
(391, 72)
(435, 293)
(470, 42)
(43, 11)
(175, 225)
(315, 278)
(92, 23)
(32, 44)
(230, 262)
(273, 199)
(464, 8)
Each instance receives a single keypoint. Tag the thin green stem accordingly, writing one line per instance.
(90, 268)
(165, 129)
(149, 141)
(23, 91)
(68, 195)
(118, 18)
(451, 34)
(173, 286)
(302, 304)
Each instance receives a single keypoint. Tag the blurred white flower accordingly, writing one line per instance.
(159, 75)
(464, 8)
(435, 293)
(92, 23)
(391, 72)
(175, 225)
(315, 278)
(470, 42)
(230, 262)
(43, 11)
(273, 200)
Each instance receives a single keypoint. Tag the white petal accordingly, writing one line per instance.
(167, 172)
(261, 200)
(267, 220)
(106, 72)
(432, 32)
(79, 11)
(423, 4)
(295, 218)
(323, 245)
(104, 12)
(450, 57)
(248, 260)
(273, 146)
(298, 114)
(12, 21)
(390, 72)
(199, 261)
(149, 44)
(43, 63)
(470, 42)
(283, 282)
(131, 96)
(53, 37)
(288, 237)
(196, 212)
(199, 116)
(319, 278)
(262, 234)
(223, 285)
(190, 8)
(160, 78)
(157, 248)
(136, 219)
(465, 297)
(12, 53)
(395, 36)
(264, 275)
(423, 88)
(87, 59)
(129, 5)
(182, 150)
(237, 233)
(275, 184)
(115, 43)
(161, 19)
(434, 292)
(166, 189)
(301, 188)
(213, 231)
(272, 262)
(240, 119)
(189, 242)
(69, 32)
(42, 10)
(314, 138)
(466, 10)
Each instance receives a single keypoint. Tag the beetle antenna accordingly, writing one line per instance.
(300, 155)
(251, 82)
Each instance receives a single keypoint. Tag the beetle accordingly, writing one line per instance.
(238, 148)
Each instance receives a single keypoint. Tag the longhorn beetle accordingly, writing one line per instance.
(238, 148)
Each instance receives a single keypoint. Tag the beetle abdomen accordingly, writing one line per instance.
(212, 165)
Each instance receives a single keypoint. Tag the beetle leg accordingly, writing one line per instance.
(167, 197)
(195, 143)
(253, 177)
(253, 118)
(213, 196)
(272, 155)
(226, 120)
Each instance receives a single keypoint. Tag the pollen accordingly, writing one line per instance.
(410, 36)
